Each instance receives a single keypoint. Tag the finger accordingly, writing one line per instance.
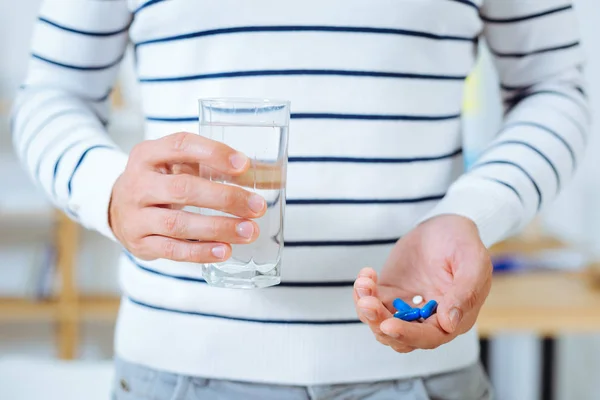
(186, 147)
(153, 247)
(186, 225)
(371, 311)
(190, 169)
(427, 335)
(471, 285)
(368, 272)
(401, 348)
(194, 191)
(364, 287)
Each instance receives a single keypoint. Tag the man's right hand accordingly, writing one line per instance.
(146, 213)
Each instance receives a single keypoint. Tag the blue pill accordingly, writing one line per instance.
(411, 315)
(401, 305)
(429, 309)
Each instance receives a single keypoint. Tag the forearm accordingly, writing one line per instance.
(546, 124)
(59, 117)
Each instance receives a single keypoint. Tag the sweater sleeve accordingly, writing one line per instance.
(537, 53)
(59, 117)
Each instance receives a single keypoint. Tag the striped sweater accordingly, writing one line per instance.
(375, 147)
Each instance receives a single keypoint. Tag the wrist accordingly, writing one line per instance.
(493, 208)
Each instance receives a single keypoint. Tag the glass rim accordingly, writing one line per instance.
(244, 100)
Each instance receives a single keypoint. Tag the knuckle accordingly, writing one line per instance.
(138, 191)
(174, 223)
(180, 141)
(471, 298)
(228, 196)
(169, 248)
(139, 151)
(213, 229)
(180, 187)
(198, 253)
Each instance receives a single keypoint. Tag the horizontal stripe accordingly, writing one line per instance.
(508, 185)
(80, 161)
(337, 243)
(202, 281)
(51, 99)
(373, 160)
(526, 17)
(582, 131)
(290, 72)
(583, 107)
(40, 157)
(69, 111)
(545, 129)
(146, 5)
(57, 165)
(467, 3)
(374, 117)
(535, 52)
(80, 32)
(294, 202)
(306, 28)
(100, 99)
(240, 319)
(79, 67)
(529, 146)
(515, 88)
(504, 162)
(522, 96)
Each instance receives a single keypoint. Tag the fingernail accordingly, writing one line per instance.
(256, 203)
(369, 314)
(238, 160)
(454, 317)
(363, 292)
(218, 251)
(245, 229)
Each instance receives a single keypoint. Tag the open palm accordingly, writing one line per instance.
(442, 259)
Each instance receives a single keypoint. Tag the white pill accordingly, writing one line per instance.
(417, 300)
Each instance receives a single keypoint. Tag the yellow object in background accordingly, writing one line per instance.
(472, 98)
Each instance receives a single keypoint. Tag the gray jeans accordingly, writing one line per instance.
(135, 382)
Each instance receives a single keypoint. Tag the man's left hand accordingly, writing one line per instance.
(442, 259)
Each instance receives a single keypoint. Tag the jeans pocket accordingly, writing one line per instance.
(136, 382)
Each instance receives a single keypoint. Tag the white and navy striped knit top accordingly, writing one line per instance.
(375, 146)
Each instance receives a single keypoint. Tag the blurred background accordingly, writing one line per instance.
(540, 330)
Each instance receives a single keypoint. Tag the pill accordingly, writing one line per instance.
(429, 309)
(411, 315)
(417, 300)
(401, 305)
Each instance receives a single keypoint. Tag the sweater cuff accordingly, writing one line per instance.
(495, 209)
(92, 188)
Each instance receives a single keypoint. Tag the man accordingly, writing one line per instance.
(375, 155)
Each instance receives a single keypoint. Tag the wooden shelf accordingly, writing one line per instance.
(546, 303)
(92, 308)
(99, 308)
(20, 310)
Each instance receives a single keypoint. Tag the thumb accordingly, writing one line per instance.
(467, 294)
(451, 310)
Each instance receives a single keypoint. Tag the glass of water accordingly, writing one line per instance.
(259, 129)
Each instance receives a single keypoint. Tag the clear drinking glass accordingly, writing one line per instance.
(259, 129)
